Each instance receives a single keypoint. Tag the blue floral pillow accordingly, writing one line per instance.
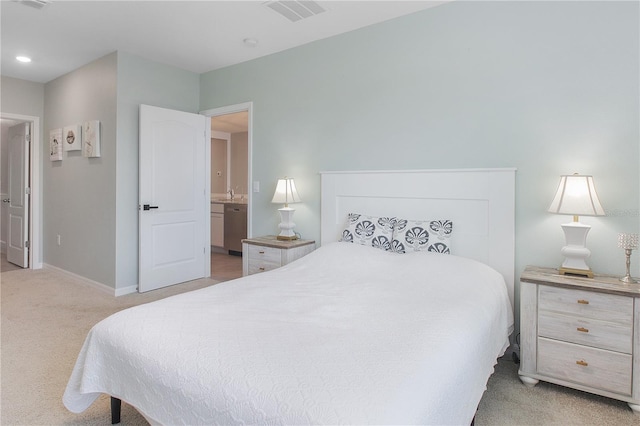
(414, 235)
(369, 230)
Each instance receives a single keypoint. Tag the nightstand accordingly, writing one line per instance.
(583, 333)
(262, 254)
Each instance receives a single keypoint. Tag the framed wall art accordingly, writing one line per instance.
(71, 138)
(55, 146)
(91, 138)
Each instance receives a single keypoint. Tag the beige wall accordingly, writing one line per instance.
(218, 164)
(237, 159)
(239, 162)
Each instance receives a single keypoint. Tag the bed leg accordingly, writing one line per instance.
(116, 405)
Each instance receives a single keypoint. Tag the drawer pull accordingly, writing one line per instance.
(583, 330)
(583, 302)
(261, 252)
(582, 363)
(261, 268)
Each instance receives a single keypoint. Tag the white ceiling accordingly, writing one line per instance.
(198, 36)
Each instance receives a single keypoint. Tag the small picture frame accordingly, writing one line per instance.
(91, 138)
(55, 145)
(72, 138)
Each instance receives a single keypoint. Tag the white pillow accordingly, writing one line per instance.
(369, 230)
(418, 235)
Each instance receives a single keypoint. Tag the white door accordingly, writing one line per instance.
(18, 210)
(173, 203)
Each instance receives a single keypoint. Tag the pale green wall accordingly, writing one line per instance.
(21, 97)
(548, 87)
(80, 193)
(93, 203)
(141, 81)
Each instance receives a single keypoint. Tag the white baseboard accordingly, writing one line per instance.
(95, 284)
(126, 290)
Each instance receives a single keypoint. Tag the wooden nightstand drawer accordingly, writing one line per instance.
(587, 304)
(582, 333)
(263, 254)
(610, 371)
(257, 267)
(263, 259)
(575, 329)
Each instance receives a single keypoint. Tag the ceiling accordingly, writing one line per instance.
(231, 123)
(198, 36)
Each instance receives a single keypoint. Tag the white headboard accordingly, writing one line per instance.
(480, 202)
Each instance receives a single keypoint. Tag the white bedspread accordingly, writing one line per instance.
(346, 335)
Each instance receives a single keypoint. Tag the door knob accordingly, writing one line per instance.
(148, 207)
(6, 200)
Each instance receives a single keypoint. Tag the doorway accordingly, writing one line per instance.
(34, 216)
(230, 174)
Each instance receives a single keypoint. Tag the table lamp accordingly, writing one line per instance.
(286, 193)
(576, 195)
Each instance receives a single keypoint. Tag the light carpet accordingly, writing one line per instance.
(46, 315)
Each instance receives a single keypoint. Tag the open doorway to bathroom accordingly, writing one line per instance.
(230, 194)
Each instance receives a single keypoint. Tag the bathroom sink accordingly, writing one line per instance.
(227, 200)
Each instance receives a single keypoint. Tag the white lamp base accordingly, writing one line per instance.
(575, 252)
(286, 224)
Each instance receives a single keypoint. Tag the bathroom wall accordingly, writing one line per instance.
(239, 162)
(218, 166)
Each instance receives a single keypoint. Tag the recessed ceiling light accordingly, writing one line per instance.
(24, 59)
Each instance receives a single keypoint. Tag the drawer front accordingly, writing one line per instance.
(263, 259)
(586, 304)
(596, 368)
(575, 329)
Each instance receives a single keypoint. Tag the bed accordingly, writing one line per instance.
(349, 334)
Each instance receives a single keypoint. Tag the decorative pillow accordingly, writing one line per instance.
(369, 230)
(414, 235)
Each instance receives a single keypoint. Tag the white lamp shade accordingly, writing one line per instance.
(286, 192)
(576, 195)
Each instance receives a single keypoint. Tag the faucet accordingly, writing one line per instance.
(231, 192)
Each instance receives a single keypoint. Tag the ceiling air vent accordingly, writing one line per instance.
(295, 10)
(36, 4)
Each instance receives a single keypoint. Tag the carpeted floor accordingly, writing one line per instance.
(47, 314)
(508, 402)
